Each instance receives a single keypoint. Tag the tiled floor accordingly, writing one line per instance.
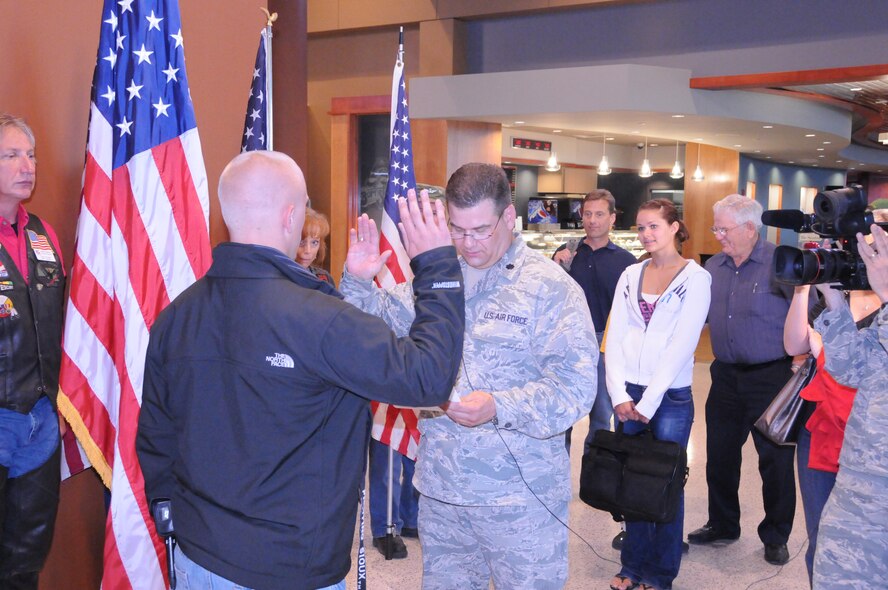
(739, 565)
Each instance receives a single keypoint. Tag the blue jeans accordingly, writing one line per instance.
(405, 498)
(814, 486)
(652, 552)
(190, 576)
(27, 441)
(602, 409)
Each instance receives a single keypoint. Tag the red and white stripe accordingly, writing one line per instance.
(142, 238)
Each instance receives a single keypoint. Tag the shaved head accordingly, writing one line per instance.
(263, 197)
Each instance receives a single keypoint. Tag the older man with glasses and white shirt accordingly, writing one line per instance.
(746, 320)
(492, 469)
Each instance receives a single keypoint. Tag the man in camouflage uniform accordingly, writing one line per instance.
(852, 544)
(492, 468)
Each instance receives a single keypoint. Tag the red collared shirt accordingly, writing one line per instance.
(17, 243)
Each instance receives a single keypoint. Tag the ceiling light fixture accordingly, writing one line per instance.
(645, 171)
(676, 170)
(603, 167)
(552, 164)
(698, 172)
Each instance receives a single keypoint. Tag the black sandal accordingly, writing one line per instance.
(632, 584)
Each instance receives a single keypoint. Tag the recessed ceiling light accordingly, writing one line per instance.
(767, 157)
(767, 126)
(839, 161)
(678, 116)
(855, 89)
(582, 137)
(852, 168)
(556, 131)
(737, 145)
(821, 156)
(519, 122)
(827, 142)
(698, 139)
(654, 144)
(636, 132)
(609, 138)
(792, 162)
(810, 135)
(861, 164)
(758, 151)
(820, 149)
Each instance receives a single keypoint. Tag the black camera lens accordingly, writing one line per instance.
(811, 267)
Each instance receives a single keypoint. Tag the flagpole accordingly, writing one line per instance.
(390, 500)
(270, 17)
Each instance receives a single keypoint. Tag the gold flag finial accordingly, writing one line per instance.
(269, 16)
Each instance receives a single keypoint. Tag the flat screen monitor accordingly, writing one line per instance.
(542, 211)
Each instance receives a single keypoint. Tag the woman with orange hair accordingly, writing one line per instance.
(312, 248)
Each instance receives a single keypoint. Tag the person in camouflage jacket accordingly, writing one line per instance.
(492, 468)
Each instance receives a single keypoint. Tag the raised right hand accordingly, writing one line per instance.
(363, 259)
(423, 224)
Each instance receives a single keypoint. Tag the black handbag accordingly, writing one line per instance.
(780, 421)
(634, 477)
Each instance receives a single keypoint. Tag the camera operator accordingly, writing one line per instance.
(853, 538)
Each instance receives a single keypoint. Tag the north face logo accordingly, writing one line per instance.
(279, 359)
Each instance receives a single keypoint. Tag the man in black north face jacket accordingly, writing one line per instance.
(255, 415)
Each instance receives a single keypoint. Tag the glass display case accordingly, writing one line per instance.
(546, 240)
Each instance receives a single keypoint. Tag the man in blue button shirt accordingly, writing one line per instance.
(746, 320)
(596, 264)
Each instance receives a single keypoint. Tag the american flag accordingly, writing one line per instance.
(256, 122)
(397, 427)
(142, 238)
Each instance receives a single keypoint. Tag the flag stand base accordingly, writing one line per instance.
(388, 546)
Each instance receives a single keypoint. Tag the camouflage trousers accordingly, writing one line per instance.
(519, 547)
(852, 545)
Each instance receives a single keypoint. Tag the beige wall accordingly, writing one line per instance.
(333, 15)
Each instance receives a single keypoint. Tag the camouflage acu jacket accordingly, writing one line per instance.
(529, 342)
(860, 359)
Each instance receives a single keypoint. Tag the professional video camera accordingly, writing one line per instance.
(839, 215)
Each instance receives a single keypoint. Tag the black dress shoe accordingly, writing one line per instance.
(776, 554)
(617, 543)
(398, 548)
(709, 534)
(410, 532)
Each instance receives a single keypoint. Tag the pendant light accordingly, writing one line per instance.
(698, 172)
(645, 171)
(552, 164)
(676, 170)
(603, 167)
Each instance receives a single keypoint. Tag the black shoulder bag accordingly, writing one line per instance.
(634, 477)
